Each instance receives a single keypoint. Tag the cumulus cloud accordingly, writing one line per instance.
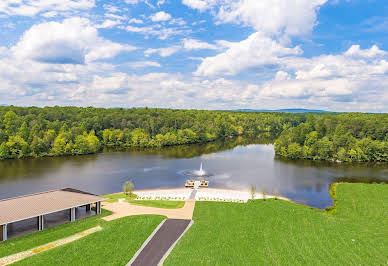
(61, 62)
(198, 4)
(33, 7)
(356, 51)
(267, 16)
(283, 16)
(354, 75)
(257, 50)
(160, 16)
(72, 41)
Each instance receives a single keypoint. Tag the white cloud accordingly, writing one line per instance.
(193, 44)
(257, 50)
(198, 4)
(374, 51)
(363, 65)
(132, 2)
(282, 16)
(177, 21)
(186, 44)
(111, 8)
(164, 52)
(160, 16)
(159, 31)
(281, 76)
(160, 2)
(72, 41)
(267, 16)
(354, 75)
(3, 51)
(33, 7)
(135, 21)
(143, 64)
(50, 14)
(115, 16)
(108, 23)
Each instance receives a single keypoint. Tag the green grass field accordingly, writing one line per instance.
(277, 232)
(114, 245)
(271, 232)
(116, 196)
(29, 241)
(165, 204)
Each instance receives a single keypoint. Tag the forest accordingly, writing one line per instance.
(350, 137)
(56, 131)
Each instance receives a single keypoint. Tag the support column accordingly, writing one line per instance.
(3, 232)
(98, 207)
(72, 214)
(88, 207)
(40, 222)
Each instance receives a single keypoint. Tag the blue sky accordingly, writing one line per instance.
(206, 54)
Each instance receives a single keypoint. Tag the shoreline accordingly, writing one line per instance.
(203, 194)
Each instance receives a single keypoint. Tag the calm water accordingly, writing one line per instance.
(234, 163)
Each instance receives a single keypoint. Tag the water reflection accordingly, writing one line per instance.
(234, 163)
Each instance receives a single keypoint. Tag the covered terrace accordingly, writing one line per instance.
(35, 212)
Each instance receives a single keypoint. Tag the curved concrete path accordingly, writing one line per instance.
(123, 209)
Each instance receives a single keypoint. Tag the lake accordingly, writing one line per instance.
(233, 163)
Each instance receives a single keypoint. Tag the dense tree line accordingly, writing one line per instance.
(55, 131)
(352, 137)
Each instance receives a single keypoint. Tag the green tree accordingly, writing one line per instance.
(294, 151)
(253, 191)
(17, 146)
(24, 131)
(128, 188)
(11, 122)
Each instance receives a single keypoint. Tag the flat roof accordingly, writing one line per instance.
(29, 206)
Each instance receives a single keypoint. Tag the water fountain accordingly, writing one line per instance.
(199, 174)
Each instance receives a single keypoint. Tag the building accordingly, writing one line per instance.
(35, 212)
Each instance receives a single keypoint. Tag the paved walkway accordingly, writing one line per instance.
(123, 209)
(161, 243)
(192, 194)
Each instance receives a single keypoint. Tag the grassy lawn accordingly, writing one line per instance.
(116, 196)
(29, 241)
(114, 245)
(277, 232)
(165, 204)
(159, 203)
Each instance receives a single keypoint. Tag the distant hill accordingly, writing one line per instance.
(298, 110)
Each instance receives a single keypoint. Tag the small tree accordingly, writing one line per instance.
(276, 193)
(253, 191)
(128, 188)
(264, 192)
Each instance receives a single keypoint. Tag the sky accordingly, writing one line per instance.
(195, 54)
